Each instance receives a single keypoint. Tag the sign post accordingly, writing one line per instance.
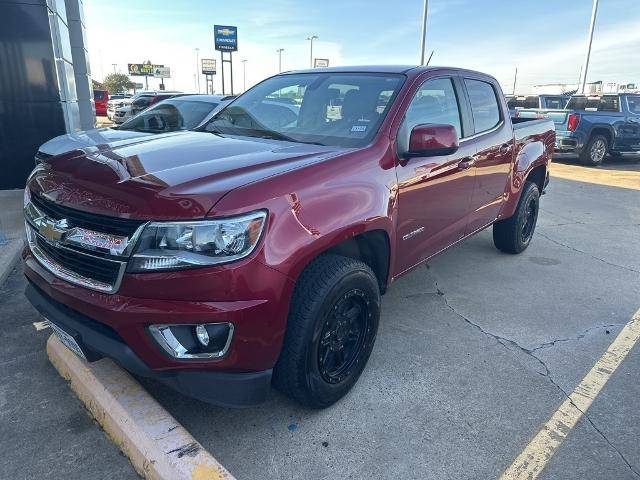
(145, 70)
(209, 70)
(162, 73)
(226, 40)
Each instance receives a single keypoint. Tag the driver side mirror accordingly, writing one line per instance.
(432, 140)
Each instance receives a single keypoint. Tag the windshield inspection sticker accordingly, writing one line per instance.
(359, 128)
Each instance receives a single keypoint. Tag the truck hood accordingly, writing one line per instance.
(96, 137)
(163, 177)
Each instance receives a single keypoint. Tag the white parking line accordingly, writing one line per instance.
(533, 459)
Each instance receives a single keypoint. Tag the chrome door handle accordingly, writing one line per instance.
(466, 163)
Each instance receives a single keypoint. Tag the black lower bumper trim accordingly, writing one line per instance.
(98, 340)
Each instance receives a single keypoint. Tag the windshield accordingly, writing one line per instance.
(335, 109)
(170, 115)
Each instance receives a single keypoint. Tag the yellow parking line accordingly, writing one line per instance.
(530, 463)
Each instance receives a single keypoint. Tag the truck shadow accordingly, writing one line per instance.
(627, 162)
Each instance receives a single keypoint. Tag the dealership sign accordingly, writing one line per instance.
(143, 69)
(320, 62)
(208, 66)
(162, 72)
(226, 38)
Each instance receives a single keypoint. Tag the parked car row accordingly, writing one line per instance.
(591, 126)
(177, 113)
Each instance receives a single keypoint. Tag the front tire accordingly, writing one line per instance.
(595, 151)
(514, 234)
(332, 326)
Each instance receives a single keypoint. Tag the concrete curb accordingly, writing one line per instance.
(156, 444)
(9, 255)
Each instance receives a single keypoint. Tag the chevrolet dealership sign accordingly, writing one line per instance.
(226, 38)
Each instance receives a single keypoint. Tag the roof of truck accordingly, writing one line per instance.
(379, 69)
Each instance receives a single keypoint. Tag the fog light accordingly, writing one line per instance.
(194, 341)
(203, 336)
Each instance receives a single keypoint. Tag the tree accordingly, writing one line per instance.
(118, 82)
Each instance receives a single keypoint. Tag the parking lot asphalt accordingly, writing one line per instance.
(475, 351)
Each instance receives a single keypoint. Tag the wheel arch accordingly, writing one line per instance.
(371, 245)
(605, 130)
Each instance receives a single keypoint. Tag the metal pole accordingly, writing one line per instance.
(280, 50)
(231, 69)
(197, 67)
(583, 76)
(311, 39)
(424, 32)
(222, 67)
(114, 67)
(515, 79)
(244, 75)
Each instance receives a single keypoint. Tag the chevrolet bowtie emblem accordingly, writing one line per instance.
(53, 230)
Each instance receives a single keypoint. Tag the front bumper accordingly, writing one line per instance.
(98, 340)
(248, 294)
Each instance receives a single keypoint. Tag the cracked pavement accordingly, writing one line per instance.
(475, 351)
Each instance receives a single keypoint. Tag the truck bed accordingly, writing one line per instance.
(527, 127)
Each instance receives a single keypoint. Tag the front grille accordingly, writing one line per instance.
(91, 221)
(102, 270)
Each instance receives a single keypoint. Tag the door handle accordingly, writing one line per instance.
(505, 148)
(466, 163)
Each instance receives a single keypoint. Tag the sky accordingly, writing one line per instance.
(544, 39)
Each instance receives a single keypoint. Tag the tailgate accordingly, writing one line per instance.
(559, 117)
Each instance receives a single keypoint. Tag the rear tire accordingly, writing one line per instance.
(332, 326)
(514, 234)
(595, 151)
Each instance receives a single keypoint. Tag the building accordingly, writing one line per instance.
(45, 80)
(593, 88)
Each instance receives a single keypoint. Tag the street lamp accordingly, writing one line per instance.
(244, 75)
(197, 67)
(280, 50)
(311, 39)
(585, 65)
(424, 31)
(114, 67)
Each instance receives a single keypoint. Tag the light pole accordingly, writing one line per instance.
(583, 75)
(244, 75)
(280, 50)
(114, 67)
(424, 31)
(197, 67)
(311, 39)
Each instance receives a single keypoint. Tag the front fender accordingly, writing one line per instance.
(318, 207)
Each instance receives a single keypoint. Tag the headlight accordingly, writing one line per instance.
(179, 245)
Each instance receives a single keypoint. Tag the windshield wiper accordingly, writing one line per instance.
(281, 136)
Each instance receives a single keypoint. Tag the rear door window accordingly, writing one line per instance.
(484, 105)
(609, 103)
(633, 101)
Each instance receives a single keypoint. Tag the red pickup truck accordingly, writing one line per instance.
(255, 251)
